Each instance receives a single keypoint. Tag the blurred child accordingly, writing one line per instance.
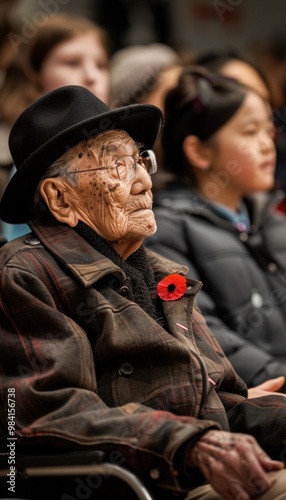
(67, 50)
(217, 216)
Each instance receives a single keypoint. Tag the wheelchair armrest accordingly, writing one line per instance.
(55, 459)
(70, 464)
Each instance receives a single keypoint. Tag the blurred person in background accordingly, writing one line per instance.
(234, 64)
(264, 69)
(143, 74)
(218, 144)
(6, 56)
(270, 55)
(267, 75)
(67, 50)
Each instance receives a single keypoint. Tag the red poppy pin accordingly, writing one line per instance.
(172, 287)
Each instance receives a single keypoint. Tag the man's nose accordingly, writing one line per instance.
(142, 178)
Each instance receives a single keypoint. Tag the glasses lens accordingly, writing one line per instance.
(125, 167)
(149, 161)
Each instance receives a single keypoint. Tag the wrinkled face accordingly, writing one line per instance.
(119, 210)
(79, 61)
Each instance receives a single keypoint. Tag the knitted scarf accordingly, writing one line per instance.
(136, 267)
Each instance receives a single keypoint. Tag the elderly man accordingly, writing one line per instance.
(100, 338)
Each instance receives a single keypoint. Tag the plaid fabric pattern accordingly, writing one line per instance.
(92, 369)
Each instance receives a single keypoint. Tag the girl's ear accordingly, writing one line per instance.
(55, 196)
(197, 153)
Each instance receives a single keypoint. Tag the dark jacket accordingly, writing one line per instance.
(244, 276)
(92, 369)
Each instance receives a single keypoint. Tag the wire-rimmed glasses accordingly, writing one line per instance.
(125, 166)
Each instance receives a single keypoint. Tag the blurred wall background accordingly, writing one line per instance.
(187, 25)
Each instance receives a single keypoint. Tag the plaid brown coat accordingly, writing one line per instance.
(92, 369)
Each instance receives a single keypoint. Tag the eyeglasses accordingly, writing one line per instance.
(125, 166)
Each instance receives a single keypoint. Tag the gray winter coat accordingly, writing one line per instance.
(244, 276)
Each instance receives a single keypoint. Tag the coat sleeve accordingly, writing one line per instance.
(251, 363)
(46, 358)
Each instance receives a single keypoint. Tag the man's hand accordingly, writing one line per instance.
(271, 386)
(233, 464)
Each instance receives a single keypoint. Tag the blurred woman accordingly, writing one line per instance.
(68, 50)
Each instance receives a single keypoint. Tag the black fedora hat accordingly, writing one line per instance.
(59, 120)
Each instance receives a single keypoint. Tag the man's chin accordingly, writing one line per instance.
(150, 227)
(143, 232)
(144, 223)
(152, 231)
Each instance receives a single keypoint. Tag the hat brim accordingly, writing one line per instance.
(143, 122)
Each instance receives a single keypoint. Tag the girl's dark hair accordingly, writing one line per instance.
(215, 61)
(201, 103)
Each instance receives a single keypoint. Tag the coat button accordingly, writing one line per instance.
(124, 291)
(126, 369)
(154, 474)
(243, 236)
(256, 300)
(272, 268)
(32, 241)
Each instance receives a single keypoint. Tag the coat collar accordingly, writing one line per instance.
(185, 200)
(86, 263)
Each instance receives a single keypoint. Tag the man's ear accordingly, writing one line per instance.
(197, 153)
(54, 193)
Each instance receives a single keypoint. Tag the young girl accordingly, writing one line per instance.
(67, 50)
(217, 216)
